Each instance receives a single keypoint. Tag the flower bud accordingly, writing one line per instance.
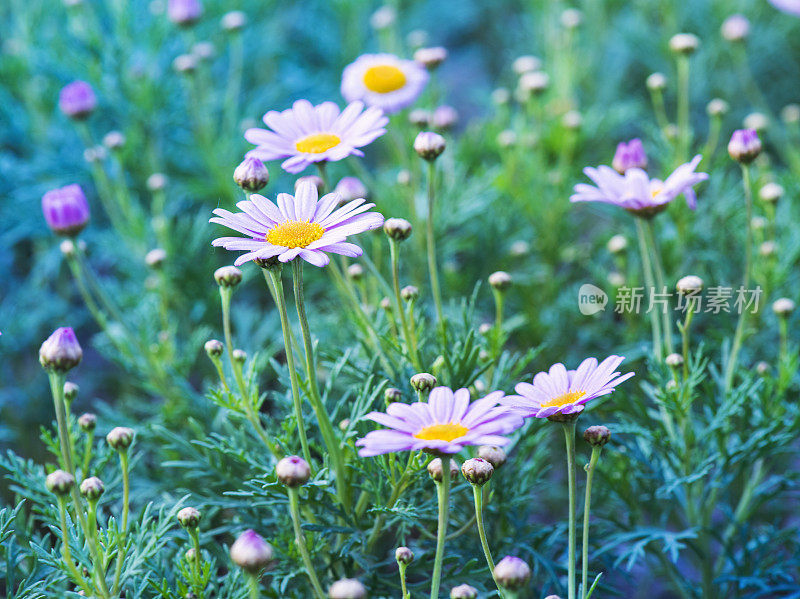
(77, 100)
(431, 58)
(190, 555)
(92, 488)
(423, 381)
(552, 597)
(572, 120)
(477, 471)
(768, 248)
(398, 229)
(293, 471)
(492, 454)
(571, 18)
(203, 50)
(189, 517)
(351, 188)
(526, 64)
(61, 351)
(228, 276)
(386, 304)
(757, 121)
(409, 293)
(435, 469)
(70, 391)
(156, 182)
(791, 114)
(155, 258)
(684, 43)
(735, 28)
(251, 174)
(214, 348)
(783, 307)
(403, 555)
(355, 272)
(463, 591)
(629, 155)
(239, 356)
(66, 210)
(689, 284)
(383, 18)
(597, 436)
(744, 146)
(344, 425)
(717, 107)
(511, 573)
(762, 368)
(617, 244)
(347, 588)
(234, 20)
(184, 12)
(251, 552)
(674, 360)
(444, 118)
(507, 138)
(120, 438)
(315, 180)
(87, 422)
(429, 146)
(114, 140)
(419, 118)
(656, 82)
(770, 193)
(501, 96)
(185, 63)
(615, 279)
(417, 38)
(500, 280)
(59, 482)
(392, 394)
(534, 82)
(404, 177)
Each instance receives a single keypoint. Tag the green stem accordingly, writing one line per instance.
(87, 453)
(684, 132)
(94, 549)
(196, 563)
(280, 300)
(443, 495)
(432, 268)
(655, 322)
(569, 435)
(402, 567)
(252, 586)
(326, 428)
(65, 551)
(687, 323)
(659, 109)
(748, 252)
(123, 532)
(294, 507)
(586, 508)
(660, 283)
(477, 494)
(407, 334)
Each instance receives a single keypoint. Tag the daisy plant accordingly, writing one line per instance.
(561, 395)
(442, 426)
(384, 81)
(303, 227)
(644, 197)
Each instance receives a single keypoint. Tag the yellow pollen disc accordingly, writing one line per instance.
(442, 432)
(317, 143)
(295, 234)
(655, 191)
(383, 79)
(563, 400)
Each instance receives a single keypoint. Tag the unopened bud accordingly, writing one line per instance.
(214, 348)
(155, 258)
(500, 280)
(293, 471)
(189, 517)
(70, 391)
(689, 284)
(120, 438)
(251, 175)
(511, 573)
(61, 351)
(744, 146)
(496, 456)
(674, 360)
(239, 356)
(684, 43)
(463, 591)
(735, 28)
(355, 272)
(477, 471)
(429, 146)
(783, 307)
(656, 82)
(791, 114)
(423, 381)
(444, 118)
(251, 552)
(59, 482)
(114, 140)
(597, 436)
(432, 57)
(617, 244)
(526, 64)
(156, 182)
(398, 229)
(717, 107)
(87, 422)
(409, 293)
(771, 193)
(92, 488)
(403, 555)
(234, 20)
(435, 469)
(351, 188)
(419, 117)
(228, 276)
(347, 588)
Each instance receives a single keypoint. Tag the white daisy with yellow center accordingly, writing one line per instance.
(305, 134)
(384, 81)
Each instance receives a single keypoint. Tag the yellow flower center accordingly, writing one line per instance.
(442, 432)
(563, 400)
(383, 79)
(295, 234)
(655, 191)
(317, 143)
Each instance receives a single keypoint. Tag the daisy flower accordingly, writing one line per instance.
(788, 6)
(445, 424)
(306, 134)
(384, 80)
(565, 391)
(299, 226)
(636, 192)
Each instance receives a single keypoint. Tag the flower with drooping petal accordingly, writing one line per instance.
(306, 134)
(562, 391)
(302, 225)
(444, 424)
(384, 80)
(636, 192)
(788, 6)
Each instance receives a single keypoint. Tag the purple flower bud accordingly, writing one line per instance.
(251, 175)
(431, 58)
(59, 482)
(477, 471)
(629, 155)
(512, 573)
(429, 145)
(66, 210)
(184, 12)
(351, 188)
(293, 471)
(744, 145)
(444, 118)
(61, 351)
(77, 100)
(120, 438)
(92, 488)
(251, 552)
(347, 588)
(463, 591)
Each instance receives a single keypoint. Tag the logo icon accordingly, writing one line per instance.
(591, 299)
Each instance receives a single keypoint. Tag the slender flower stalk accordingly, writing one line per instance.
(123, 532)
(66, 554)
(443, 497)
(408, 335)
(655, 322)
(658, 269)
(94, 548)
(197, 583)
(590, 467)
(748, 258)
(569, 435)
(431, 246)
(477, 494)
(684, 130)
(294, 508)
(325, 425)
